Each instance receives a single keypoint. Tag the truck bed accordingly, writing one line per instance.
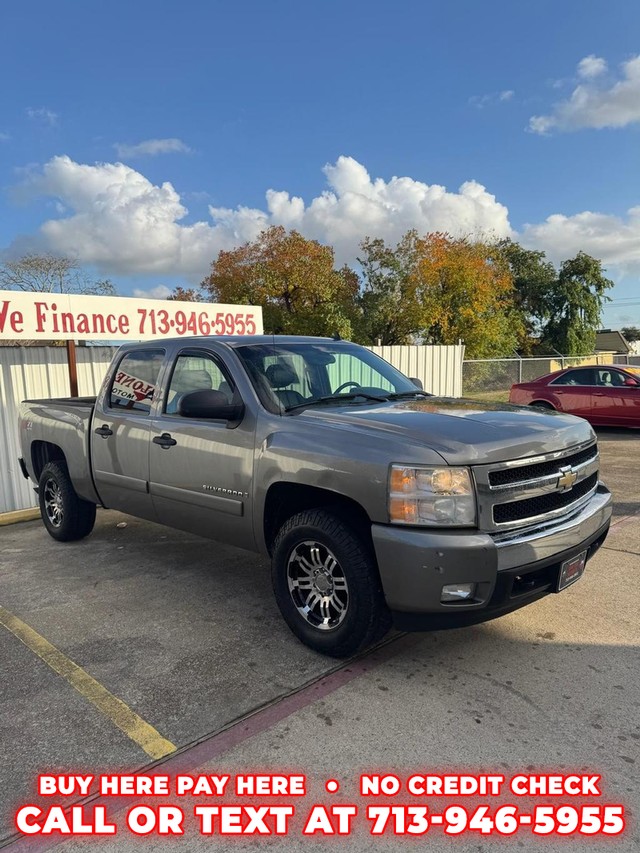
(64, 422)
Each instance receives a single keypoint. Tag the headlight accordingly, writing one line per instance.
(435, 496)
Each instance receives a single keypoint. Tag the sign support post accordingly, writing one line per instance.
(73, 368)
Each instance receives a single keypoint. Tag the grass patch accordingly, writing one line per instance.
(489, 396)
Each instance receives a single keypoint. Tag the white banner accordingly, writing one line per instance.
(53, 316)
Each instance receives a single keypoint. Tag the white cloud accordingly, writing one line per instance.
(113, 217)
(591, 66)
(595, 103)
(151, 147)
(43, 115)
(161, 291)
(482, 101)
(613, 239)
(121, 222)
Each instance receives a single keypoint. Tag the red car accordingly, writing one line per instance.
(606, 395)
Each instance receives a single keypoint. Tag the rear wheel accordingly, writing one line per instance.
(541, 404)
(327, 585)
(66, 516)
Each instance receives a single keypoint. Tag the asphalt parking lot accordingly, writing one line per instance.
(186, 634)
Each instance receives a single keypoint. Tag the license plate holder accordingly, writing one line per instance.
(571, 571)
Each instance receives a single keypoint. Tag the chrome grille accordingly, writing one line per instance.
(532, 491)
(509, 476)
(534, 507)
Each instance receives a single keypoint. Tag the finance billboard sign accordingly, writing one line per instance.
(54, 316)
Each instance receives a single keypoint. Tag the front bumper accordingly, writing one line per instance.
(510, 570)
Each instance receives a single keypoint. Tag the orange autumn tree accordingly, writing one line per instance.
(465, 291)
(292, 278)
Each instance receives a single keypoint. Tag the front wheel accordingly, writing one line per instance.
(66, 516)
(327, 585)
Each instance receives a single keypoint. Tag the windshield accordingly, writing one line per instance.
(290, 375)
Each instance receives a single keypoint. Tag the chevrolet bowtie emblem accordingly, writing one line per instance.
(567, 478)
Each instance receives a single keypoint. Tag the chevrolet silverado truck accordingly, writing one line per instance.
(376, 502)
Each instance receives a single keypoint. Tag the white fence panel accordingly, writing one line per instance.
(34, 372)
(41, 372)
(439, 368)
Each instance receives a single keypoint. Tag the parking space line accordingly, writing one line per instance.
(113, 708)
(212, 746)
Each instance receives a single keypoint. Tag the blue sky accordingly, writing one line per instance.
(532, 107)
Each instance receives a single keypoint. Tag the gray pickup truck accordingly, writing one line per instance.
(376, 501)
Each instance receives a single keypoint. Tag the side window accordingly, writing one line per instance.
(196, 372)
(576, 377)
(610, 378)
(135, 380)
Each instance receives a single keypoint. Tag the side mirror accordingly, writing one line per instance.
(417, 382)
(631, 383)
(210, 405)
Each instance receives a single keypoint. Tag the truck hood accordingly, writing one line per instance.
(463, 432)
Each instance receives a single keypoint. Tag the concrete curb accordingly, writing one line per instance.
(19, 515)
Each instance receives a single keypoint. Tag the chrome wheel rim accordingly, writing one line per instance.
(317, 585)
(53, 503)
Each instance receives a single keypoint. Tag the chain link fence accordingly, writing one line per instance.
(491, 379)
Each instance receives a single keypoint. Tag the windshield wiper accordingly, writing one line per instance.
(400, 394)
(333, 398)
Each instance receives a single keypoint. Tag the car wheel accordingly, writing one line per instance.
(327, 585)
(66, 516)
(541, 404)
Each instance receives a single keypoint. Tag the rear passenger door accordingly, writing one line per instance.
(120, 433)
(201, 470)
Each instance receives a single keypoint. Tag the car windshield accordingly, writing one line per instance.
(287, 376)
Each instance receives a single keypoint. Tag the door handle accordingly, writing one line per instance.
(104, 431)
(165, 441)
(598, 394)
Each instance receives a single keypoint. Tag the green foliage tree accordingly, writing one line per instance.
(292, 278)
(534, 281)
(575, 305)
(389, 308)
(631, 333)
(438, 289)
(48, 273)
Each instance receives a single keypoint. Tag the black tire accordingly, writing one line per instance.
(65, 516)
(352, 582)
(540, 404)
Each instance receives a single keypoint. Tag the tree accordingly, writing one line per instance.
(189, 294)
(292, 278)
(49, 273)
(631, 333)
(389, 309)
(534, 281)
(575, 306)
(466, 292)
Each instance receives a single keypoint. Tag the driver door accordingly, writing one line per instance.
(615, 402)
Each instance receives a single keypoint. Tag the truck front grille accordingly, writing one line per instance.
(534, 507)
(509, 476)
(527, 492)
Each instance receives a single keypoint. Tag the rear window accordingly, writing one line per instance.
(576, 377)
(135, 380)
